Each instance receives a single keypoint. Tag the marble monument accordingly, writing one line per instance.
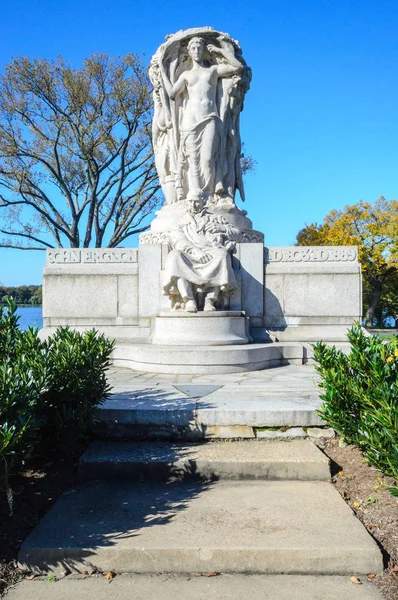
(199, 82)
(202, 293)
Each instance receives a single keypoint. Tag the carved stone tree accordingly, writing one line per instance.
(76, 162)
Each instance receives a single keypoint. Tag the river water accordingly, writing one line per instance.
(30, 316)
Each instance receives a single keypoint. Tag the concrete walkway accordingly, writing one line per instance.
(298, 460)
(234, 405)
(260, 514)
(248, 527)
(177, 587)
(279, 380)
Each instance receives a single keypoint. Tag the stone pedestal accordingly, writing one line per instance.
(166, 220)
(218, 328)
(210, 360)
(291, 295)
(311, 292)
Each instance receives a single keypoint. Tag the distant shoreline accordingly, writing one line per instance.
(2, 304)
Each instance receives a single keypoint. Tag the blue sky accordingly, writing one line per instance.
(321, 117)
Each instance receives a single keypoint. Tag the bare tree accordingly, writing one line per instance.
(76, 163)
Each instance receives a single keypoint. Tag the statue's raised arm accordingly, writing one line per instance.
(233, 66)
(176, 89)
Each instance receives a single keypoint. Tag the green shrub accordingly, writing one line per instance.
(22, 383)
(360, 395)
(49, 390)
(76, 382)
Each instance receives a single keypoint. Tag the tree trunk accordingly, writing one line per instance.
(374, 300)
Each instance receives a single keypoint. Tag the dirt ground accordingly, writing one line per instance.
(34, 492)
(363, 488)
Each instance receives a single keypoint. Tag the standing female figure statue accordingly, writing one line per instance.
(199, 79)
(199, 82)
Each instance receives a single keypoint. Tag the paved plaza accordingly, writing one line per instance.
(280, 397)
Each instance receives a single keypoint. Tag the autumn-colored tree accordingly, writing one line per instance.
(76, 163)
(373, 227)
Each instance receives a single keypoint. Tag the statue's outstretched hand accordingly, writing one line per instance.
(224, 43)
(211, 48)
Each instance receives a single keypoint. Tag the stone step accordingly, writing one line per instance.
(161, 461)
(263, 527)
(218, 411)
(168, 586)
(240, 405)
(212, 359)
(209, 359)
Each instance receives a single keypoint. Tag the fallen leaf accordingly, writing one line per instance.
(355, 580)
(371, 576)
(30, 577)
(213, 574)
(356, 504)
(341, 473)
(346, 496)
(109, 576)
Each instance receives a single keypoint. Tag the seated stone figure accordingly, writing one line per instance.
(199, 263)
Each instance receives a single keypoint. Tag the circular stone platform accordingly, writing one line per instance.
(157, 358)
(218, 328)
